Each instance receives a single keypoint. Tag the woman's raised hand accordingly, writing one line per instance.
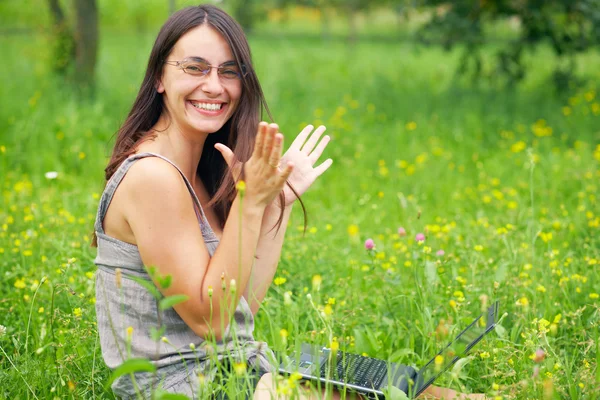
(263, 175)
(304, 152)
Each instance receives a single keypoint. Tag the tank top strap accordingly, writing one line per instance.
(118, 176)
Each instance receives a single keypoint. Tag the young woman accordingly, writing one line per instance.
(172, 201)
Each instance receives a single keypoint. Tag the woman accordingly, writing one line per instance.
(200, 95)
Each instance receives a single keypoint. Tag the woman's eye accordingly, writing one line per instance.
(196, 68)
(229, 73)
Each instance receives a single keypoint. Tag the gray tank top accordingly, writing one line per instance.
(133, 306)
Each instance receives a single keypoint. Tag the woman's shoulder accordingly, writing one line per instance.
(153, 176)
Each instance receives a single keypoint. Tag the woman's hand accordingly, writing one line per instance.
(304, 156)
(264, 180)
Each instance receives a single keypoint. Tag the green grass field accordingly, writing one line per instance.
(503, 183)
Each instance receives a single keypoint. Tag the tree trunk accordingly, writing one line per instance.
(86, 43)
(63, 46)
(243, 13)
(57, 12)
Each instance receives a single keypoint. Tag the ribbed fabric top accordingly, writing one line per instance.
(132, 305)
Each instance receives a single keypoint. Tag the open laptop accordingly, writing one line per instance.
(371, 377)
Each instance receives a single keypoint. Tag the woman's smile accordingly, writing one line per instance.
(209, 109)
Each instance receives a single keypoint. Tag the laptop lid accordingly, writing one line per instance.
(458, 348)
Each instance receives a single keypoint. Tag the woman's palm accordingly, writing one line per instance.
(304, 156)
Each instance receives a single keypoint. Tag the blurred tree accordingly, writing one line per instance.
(570, 26)
(75, 50)
(86, 43)
(246, 12)
(63, 48)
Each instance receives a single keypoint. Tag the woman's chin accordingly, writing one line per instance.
(207, 127)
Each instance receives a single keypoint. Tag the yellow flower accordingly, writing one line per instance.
(484, 355)
(518, 147)
(328, 310)
(478, 247)
(546, 237)
(557, 318)
(239, 368)
(77, 312)
(20, 283)
(594, 296)
(241, 187)
(279, 281)
(334, 346)
(353, 230)
(129, 332)
(439, 360)
(316, 282)
(541, 288)
(523, 302)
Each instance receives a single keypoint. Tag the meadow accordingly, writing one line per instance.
(502, 183)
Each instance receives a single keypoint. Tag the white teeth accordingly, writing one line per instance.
(207, 106)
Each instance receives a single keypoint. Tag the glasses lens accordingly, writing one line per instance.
(195, 67)
(229, 72)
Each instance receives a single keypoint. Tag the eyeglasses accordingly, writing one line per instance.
(199, 67)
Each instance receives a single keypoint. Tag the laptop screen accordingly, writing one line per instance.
(457, 348)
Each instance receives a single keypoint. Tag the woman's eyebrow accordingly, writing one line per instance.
(226, 63)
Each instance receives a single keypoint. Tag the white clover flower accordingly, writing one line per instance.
(2, 330)
(51, 175)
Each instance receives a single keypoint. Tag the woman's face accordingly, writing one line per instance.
(197, 102)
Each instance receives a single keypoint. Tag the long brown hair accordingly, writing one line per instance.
(238, 133)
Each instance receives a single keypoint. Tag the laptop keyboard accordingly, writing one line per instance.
(357, 370)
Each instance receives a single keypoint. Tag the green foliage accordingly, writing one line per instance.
(570, 27)
(129, 367)
(170, 301)
(412, 147)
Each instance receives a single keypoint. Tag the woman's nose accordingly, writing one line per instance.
(212, 83)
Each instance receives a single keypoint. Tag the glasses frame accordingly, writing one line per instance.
(179, 64)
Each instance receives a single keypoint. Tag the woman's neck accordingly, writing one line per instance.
(184, 148)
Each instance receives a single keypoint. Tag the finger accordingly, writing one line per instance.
(260, 138)
(314, 156)
(276, 150)
(301, 138)
(308, 147)
(225, 152)
(323, 167)
(286, 172)
(268, 145)
(230, 159)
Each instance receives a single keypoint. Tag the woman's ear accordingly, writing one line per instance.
(159, 87)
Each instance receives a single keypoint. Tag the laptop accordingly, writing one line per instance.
(373, 377)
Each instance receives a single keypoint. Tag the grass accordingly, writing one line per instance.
(505, 182)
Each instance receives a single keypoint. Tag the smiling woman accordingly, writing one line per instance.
(171, 203)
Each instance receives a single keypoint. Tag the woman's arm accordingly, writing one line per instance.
(268, 251)
(160, 212)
